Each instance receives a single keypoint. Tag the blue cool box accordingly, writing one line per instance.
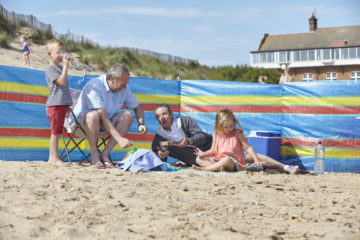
(267, 143)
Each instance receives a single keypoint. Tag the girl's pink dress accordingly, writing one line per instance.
(230, 145)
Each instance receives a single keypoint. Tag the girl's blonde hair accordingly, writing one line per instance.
(223, 116)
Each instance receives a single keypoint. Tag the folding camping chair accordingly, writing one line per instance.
(76, 131)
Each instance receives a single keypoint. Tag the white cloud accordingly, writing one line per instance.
(229, 41)
(209, 53)
(162, 45)
(164, 12)
(240, 42)
(143, 11)
(243, 15)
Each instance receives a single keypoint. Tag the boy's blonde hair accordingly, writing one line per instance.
(53, 43)
(223, 116)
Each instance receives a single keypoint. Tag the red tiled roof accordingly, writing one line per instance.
(321, 38)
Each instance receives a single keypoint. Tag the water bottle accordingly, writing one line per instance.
(319, 159)
(65, 54)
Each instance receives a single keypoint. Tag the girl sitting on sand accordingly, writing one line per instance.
(226, 152)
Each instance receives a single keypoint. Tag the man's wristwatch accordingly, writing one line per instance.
(139, 124)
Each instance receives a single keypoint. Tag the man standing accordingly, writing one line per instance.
(184, 131)
(98, 110)
(286, 76)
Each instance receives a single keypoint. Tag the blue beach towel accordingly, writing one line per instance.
(143, 160)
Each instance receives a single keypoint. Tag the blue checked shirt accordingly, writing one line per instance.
(97, 94)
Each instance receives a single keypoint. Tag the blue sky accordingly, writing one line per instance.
(221, 32)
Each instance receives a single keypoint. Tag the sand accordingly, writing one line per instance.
(80, 202)
(13, 56)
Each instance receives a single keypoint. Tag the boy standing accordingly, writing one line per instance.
(59, 100)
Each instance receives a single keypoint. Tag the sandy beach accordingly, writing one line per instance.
(13, 56)
(38, 201)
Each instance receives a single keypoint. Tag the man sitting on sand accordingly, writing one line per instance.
(183, 133)
(98, 110)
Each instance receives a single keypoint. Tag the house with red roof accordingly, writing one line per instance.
(320, 54)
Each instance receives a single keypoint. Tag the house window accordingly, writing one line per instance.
(352, 52)
(270, 57)
(318, 54)
(288, 56)
(282, 56)
(358, 52)
(331, 76)
(262, 57)
(304, 55)
(344, 53)
(326, 54)
(355, 75)
(255, 58)
(297, 56)
(335, 53)
(307, 76)
(311, 55)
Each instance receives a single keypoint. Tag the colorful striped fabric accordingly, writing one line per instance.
(325, 111)
(302, 113)
(24, 127)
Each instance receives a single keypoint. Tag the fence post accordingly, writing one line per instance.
(13, 18)
(31, 20)
(67, 36)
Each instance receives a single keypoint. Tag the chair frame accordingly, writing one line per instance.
(66, 152)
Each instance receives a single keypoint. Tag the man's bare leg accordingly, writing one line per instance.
(122, 125)
(92, 125)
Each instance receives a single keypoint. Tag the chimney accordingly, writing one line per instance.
(313, 23)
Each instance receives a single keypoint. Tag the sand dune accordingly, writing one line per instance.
(13, 56)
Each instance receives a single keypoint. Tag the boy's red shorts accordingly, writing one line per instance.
(56, 115)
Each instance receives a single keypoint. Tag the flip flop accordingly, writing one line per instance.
(108, 164)
(98, 165)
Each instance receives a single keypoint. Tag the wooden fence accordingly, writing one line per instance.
(161, 56)
(17, 19)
